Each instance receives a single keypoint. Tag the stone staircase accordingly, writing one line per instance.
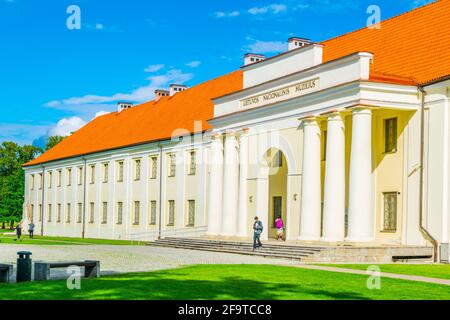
(280, 251)
(304, 252)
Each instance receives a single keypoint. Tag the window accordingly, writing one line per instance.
(105, 172)
(153, 213)
(105, 212)
(390, 211)
(32, 182)
(390, 135)
(191, 213)
(80, 176)
(59, 178)
(171, 213)
(58, 213)
(69, 177)
(40, 212)
(40, 181)
(50, 174)
(49, 213)
(68, 213)
(92, 175)
(119, 171)
(172, 165)
(137, 209)
(80, 213)
(91, 212)
(154, 167)
(277, 160)
(119, 212)
(31, 216)
(137, 169)
(192, 163)
(277, 208)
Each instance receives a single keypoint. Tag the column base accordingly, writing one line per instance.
(359, 239)
(308, 238)
(331, 239)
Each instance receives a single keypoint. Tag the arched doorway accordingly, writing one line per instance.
(277, 197)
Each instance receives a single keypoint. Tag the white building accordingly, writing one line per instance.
(347, 140)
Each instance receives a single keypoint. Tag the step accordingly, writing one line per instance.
(244, 243)
(246, 252)
(243, 246)
(261, 250)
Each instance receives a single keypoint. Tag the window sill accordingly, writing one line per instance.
(136, 224)
(388, 231)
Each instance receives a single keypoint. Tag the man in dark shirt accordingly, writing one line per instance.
(257, 230)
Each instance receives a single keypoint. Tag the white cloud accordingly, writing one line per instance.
(139, 95)
(273, 8)
(193, 64)
(231, 14)
(66, 126)
(259, 46)
(101, 113)
(99, 26)
(154, 68)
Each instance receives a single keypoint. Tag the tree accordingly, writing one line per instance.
(12, 182)
(53, 141)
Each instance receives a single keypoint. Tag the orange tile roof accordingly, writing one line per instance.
(412, 48)
(151, 121)
(414, 45)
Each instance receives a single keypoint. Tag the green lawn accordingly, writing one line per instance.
(38, 240)
(441, 271)
(228, 282)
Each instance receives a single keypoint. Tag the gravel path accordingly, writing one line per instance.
(121, 259)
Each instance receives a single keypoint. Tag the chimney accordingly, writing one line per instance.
(123, 105)
(175, 88)
(295, 42)
(159, 93)
(250, 58)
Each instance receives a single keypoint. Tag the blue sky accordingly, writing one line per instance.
(53, 80)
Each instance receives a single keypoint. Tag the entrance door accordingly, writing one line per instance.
(277, 211)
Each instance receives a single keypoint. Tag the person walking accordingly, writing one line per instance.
(18, 232)
(31, 230)
(257, 230)
(279, 225)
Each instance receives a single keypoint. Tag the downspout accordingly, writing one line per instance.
(422, 229)
(160, 191)
(43, 196)
(84, 199)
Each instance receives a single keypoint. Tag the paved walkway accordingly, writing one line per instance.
(122, 259)
(383, 274)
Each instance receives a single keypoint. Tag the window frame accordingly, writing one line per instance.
(384, 227)
(390, 146)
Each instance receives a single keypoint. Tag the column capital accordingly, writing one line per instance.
(309, 121)
(216, 135)
(361, 110)
(334, 116)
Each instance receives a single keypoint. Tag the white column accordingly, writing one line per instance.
(243, 168)
(334, 193)
(311, 189)
(360, 215)
(215, 186)
(230, 186)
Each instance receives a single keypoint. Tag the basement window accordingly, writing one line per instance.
(389, 211)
